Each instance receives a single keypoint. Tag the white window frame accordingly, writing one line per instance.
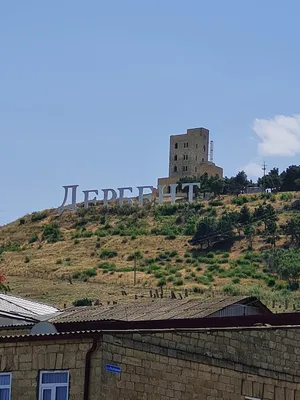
(52, 386)
(7, 386)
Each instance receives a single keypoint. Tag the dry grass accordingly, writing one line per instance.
(43, 277)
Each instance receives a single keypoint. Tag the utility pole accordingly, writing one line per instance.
(264, 167)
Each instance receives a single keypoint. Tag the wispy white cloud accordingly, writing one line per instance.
(253, 170)
(279, 136)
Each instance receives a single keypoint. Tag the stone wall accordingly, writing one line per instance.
(195, 146)
(217, 365)
(208, 365)
(25, 360)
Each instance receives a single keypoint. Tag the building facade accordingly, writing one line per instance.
(189, 157)
(188, 152)
(257, 363)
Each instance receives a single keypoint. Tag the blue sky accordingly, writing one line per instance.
(90, 91)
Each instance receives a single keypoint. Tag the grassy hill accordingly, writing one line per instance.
(92, 253)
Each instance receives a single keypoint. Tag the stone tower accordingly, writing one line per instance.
(188, 152)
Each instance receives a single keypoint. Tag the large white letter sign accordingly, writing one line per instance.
(71, 206)
(113, 195)
(87, 201)
(141, 193)
(121, 196)
(191, 189)
(172, 193)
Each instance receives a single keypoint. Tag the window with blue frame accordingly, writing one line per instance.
(5, 386)
(54, 385)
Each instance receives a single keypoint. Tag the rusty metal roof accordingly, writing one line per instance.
(154, 309)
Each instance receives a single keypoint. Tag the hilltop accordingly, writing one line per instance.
(222, 245)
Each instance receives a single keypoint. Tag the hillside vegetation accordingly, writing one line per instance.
(231, 244)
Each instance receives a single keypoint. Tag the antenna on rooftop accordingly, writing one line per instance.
(211, 155)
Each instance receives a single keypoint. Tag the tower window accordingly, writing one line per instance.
(184, 168)
(196, 158)
(185, 156)
(196, 145)
(185, 145)
(175, 168)
(204, 148)
(195, 169)
(175, 157)
(202, 159)
(176, 145)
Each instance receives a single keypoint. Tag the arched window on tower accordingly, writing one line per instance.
(175, 168)
(175, 157)
(176, 145)
(204, 148)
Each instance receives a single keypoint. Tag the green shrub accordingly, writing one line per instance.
(107, 266)
(52, 233)
(76, 241)
(286, 196)
(162, 281)
(105, 253)
(82, 302)
(178, 282)
(101, 233)
(22, 221)
(27, 259)
(59, 261)
(197, 289)
(270, 281)
(90, 272)
(236, 280)
(38, 216)
(216, 203)
(203, 279)
(232, 290)
(33, 238)
(240, 200)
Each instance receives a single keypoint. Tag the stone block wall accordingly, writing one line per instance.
(26, 360)
(220, 365)
(210, 365)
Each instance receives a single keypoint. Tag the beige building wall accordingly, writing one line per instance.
(189, 157)
(225, 364)
(188, 152)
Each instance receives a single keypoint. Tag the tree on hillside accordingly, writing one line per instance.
(272, 180)
(292, 229)
(271, 232)
(216, 185)
(225, 228)
(286, 264)
(249, 234)
(245, 215)
(289, 178)
(289, 267)
(205, 232)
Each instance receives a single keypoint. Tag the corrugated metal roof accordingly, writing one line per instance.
(158, 309)
(20, 306)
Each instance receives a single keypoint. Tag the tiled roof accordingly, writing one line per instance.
(19, 306)
(158, 309)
